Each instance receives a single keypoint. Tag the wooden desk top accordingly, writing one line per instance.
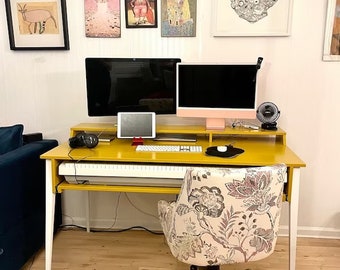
(261, 147)
(259, 151)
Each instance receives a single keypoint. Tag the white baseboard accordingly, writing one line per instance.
(151, 224)
(314, 232)
(154, 225)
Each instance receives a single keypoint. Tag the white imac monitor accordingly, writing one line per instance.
(132, 125)
(217, 91)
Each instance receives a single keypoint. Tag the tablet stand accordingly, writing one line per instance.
(137, 141)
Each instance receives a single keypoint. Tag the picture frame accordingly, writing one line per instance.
(178, 18)
(102, 19)
(331, 48)
(141, 13)
(229, 18)
(26, 32)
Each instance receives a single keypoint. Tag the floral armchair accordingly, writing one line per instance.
(224, 216)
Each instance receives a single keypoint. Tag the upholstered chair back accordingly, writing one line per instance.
(224, 216)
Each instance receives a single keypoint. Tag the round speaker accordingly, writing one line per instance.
(268, 113)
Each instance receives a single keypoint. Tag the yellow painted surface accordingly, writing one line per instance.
(261, 148)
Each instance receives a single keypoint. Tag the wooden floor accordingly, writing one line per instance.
(141, 250)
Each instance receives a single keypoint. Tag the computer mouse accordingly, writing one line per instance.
(222, 148)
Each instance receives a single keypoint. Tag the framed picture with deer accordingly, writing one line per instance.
(37, 24)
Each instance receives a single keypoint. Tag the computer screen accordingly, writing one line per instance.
(216, 92)
(130, 85)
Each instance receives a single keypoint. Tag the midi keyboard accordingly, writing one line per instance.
(98, 173)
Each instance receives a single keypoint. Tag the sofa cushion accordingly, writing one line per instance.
(11, 138)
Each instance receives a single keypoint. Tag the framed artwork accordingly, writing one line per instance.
(37, 25)
(178, 18)
(141, 13)
(331, 50)
(102, 18)
(256, 18)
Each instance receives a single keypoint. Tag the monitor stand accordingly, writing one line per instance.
(215, 123)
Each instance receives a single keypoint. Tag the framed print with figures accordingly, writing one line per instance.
(141, 13)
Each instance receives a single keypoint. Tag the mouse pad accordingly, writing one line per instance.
(231, 151)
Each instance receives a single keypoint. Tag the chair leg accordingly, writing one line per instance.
(213, 267)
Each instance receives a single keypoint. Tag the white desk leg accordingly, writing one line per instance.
(49, 218)
(87, 198)
(293, 217)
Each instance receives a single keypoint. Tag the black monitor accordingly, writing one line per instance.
(130, 85)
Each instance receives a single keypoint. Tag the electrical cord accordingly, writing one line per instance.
(113, 231)
(131, 228)
(77, 161)
(238, 123)
(110, 229)
(138, 209)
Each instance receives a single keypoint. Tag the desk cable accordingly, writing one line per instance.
(77, 161)
(244, 125)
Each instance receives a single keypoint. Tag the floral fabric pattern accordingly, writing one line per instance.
(224, 216)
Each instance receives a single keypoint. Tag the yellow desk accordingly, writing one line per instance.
(261, 148)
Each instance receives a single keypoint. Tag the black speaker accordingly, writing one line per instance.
(268, 113)
(83, 139)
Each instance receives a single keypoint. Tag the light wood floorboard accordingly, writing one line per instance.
(141, 250)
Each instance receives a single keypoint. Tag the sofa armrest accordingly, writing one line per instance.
(22, 189)
(32, 137)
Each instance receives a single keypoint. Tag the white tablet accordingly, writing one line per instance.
(136, 125)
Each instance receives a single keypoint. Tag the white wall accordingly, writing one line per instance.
(45, 90)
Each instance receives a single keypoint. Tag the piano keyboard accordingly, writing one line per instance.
(122, 174)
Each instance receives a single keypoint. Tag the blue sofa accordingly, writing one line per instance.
(22, 196)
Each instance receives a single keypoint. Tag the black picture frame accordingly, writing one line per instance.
(148, 21)
(26, 32)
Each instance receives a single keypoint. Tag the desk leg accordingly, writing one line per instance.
(49, 218)
(87, 205)
(293, 217)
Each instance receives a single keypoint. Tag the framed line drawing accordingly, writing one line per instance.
(141, 13)
(266, 18)
(331, 49)
(37, 25)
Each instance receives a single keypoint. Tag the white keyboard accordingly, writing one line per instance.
(122, 170)
(169, 148)
(123, 173)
